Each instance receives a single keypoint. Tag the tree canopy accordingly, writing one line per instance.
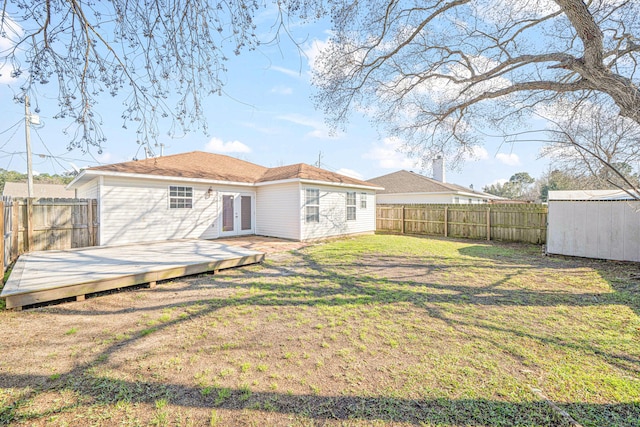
(436, 73)
(593, 143)
(518, 187)
(440, 73)
(148, 51)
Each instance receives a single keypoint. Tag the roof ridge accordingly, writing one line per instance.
(214, 166)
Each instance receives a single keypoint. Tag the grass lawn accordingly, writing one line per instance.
(374, 330)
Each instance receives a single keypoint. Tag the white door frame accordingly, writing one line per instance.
(235, 223)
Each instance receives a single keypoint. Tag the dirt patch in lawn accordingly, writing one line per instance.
(372, 330)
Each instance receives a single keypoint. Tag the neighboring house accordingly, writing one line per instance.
(204, 195)
(41, 191)
(404, 187)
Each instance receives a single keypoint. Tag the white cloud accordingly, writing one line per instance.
(476, 153)
(286, 71)
(104, 158)
(389, 156)
(318, 128)
(13, 32)
(281, 90)
(261, 129)
(510, 159)
(216, 145)
(312, 52)
(350, 172)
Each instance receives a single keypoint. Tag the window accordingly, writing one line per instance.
(470, 201)
(312, 205)
(180, 197)
(363, 200)
(456, 200)
(351, 205)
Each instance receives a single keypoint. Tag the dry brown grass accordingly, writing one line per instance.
(374, 330)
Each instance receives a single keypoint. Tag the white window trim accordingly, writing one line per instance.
(363, 200)
(184, 198)
(351, 207)
(308, 205)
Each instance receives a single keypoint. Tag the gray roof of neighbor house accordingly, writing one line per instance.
(217, 167)
(19, 189)
(403, 182)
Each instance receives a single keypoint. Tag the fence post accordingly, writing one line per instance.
(488, 223)
(446, 219)
(90, 241)
(15, 238)
(403, 216)
(29, 218)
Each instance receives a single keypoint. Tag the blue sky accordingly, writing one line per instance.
(266, 117)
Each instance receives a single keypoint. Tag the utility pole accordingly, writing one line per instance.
(319, 159)
(27, 131)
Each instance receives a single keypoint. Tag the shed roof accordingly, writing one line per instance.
(218, 167)
(594, 195)
(403, 182)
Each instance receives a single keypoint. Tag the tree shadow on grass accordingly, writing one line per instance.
(442, 412)
(309, 287)
(623, 277)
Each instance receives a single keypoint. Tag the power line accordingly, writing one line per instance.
(51, 156)
(12, 153)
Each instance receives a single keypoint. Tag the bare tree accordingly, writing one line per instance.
(438, 73)
(592, 142)
(148, 51)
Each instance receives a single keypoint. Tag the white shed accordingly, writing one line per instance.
(602, 224)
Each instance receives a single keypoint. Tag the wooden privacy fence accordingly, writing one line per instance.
(46, 224)
(508, 222)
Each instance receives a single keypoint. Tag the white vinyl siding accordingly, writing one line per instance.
(137, 211)
(601, 229)
(89, 191)
(278, 211)
(333, 214)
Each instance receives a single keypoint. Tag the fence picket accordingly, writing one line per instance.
(46, 224)
(508, 222)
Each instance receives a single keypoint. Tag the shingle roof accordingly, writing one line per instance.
(19, 189)
(195, 164)
(218, 167)
(410, 182)
(304, 171)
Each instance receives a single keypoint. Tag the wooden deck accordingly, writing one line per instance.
(47, 276)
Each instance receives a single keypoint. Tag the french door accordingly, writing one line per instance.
(237, 214)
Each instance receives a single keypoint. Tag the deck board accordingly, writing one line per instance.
(47, 276)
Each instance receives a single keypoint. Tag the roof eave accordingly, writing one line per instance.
(156, 178)
(317, 182)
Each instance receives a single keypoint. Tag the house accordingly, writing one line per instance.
(404, 187)
(40, 191)
(205, 195)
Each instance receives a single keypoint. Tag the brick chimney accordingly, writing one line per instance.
(438, 169)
